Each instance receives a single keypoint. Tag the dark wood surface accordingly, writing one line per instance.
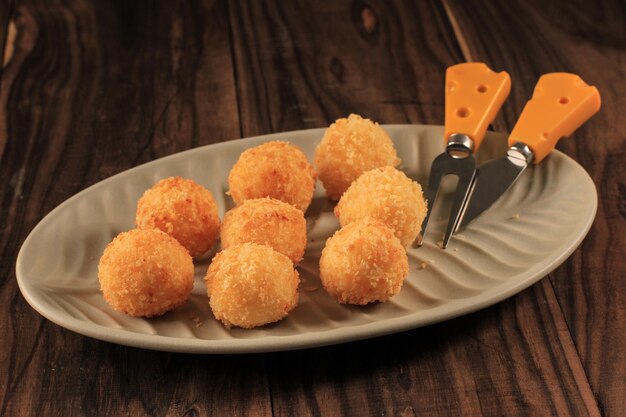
(93, 88)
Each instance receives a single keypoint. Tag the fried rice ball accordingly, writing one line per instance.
(274, 169)
(183, 209)
(250, 285)
(363, 262)
(350, 147)
(389, 196)
(269, 222)
(145, 273)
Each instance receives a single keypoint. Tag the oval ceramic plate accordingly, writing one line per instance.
(525, 235)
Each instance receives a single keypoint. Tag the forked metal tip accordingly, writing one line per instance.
(446, 240)
(418, 241)
(465, 171)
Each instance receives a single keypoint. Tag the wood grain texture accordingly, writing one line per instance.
(6, 13)
(591, 286)
(95, 88)
(520, 361)
(489, 363)
(361, 59)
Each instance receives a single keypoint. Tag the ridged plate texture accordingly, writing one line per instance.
(524, 236)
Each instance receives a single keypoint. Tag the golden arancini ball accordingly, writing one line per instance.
(269, 222)
(389, 196)
(363, 262)
(251, 285)
(274, 169)
(183, 209)
(350, 147)
(145, 273)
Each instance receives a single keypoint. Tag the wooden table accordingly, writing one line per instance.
(92, 88)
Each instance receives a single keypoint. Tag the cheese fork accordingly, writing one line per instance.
(474, 95)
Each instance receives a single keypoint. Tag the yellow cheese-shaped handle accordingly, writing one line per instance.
(561, 103)
(474, 95)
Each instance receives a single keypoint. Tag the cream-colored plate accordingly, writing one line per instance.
(528, 233)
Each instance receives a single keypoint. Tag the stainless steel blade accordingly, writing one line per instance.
(492, 180)
(464, 169)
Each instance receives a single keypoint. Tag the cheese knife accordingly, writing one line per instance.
(560, 104)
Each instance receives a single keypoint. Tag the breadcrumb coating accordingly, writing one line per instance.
(350, 147)
(250, 285)
(363, 262)
(274, 169)
(145, 273)
(389, 196)
(269, 222)
(183, 209)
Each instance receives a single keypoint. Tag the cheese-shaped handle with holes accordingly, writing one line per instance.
(474, 95)
(560, 104)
